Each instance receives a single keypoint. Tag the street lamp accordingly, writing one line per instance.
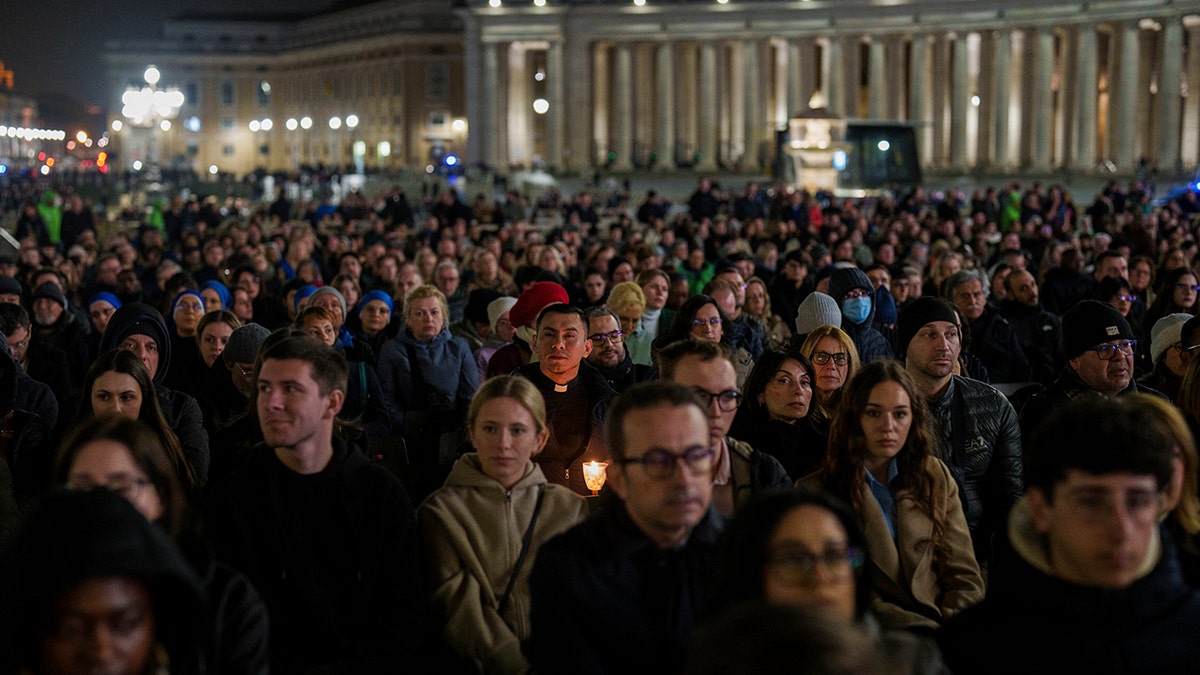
(149, 107)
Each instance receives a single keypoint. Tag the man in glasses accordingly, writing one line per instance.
(621, 592)
(739, 470)
(609, 355)
(1099, 345)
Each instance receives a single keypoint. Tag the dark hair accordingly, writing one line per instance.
(638, 397)
(681, 326)
(329, 368)
(756, 383)
(1164, 302)
(1107, 287)
(562, 308)
(672, 354)
(150, 413)
(12, 317)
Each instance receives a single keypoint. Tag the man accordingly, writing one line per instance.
(1038, 332)
(1099, 346)
(1089, 582)
(576, 395)
(745, 333)
(993, 341)
(609, 356)
(325, 536)
(522, 316)
(853, 292)
(55, 325)
(976, 427)
(43, 384)
(1065, 285)
(739, 470)
(621, 592)
(791, 286)
(447, 279)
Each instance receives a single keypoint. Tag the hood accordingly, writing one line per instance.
(139, 318)
(1033, 548)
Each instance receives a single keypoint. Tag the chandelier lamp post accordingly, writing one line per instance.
(152, 109)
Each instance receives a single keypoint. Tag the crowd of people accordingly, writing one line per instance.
(762, 430)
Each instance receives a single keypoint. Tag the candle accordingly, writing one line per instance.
(594, 475)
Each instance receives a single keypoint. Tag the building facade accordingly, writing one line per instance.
(1035, 85)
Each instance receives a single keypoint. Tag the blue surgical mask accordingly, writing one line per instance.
(856, 310)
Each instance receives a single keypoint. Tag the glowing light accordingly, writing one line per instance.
(451, 160)
(539, 3)
(459, 125)
(291, 124)
(151, 76)
(385, 149)
(306, 122)
(428, 168)
(360, 148)
(540, 106)
(884, 146)
(117, 125)
(267, 124)
(137, 165)
(165, 125)
(494, 3)
(539, 76)
(335, 123)
(351, 121)
(212, 169)
(975, 100)
(639, 3)
(45, 170)
(70, 145)
(50, 162)
(3, 169)
(839, 160)
(192, 124)
(255, 125)
(594, 475)
(81, 136)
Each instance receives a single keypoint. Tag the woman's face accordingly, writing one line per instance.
(756, 300)
(788, 392)
(322, 329)
(350, 292)
(885, 422)
(504, 328)
(109, 464)
(707, 324)
(102, 625)
(656, 293)
(1123, 300)
(425, 319)
(375, 316)
(1185, 291)
(593, 286)
(212, 301)
(101, 311)
(830, 376)
(188, 311)
(117, 393)
(505, 436)
(808, 563)
(213, 341)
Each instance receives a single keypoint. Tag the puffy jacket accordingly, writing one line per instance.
(996, 344)
(752, 471)
(1068, 386)
(1040, 335)
(445, 365)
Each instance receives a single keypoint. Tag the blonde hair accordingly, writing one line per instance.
(1187, 511)
(625, 295)
(420, 293)
(518, 389)
(827, 403)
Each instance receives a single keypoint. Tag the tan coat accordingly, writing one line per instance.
(471, 531)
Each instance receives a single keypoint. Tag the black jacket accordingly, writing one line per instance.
(564, 465)
(1040, 335)
(627, 373)
(994, 342)
(1068, 386)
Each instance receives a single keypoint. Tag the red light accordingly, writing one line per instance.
(104, 169)
(41, 156)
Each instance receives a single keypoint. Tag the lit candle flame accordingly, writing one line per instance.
(594, 475)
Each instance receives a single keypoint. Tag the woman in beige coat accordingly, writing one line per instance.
(880, 460)
(481, 531)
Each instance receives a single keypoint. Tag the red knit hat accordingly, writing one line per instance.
(533, 300)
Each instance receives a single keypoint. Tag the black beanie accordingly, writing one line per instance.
(923, 310)
(477, 304)
(1089, 323)
(844, 279)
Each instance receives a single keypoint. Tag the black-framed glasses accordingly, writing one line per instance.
(127, 486)
(1186, 287)
(614, 337)
(797, 567)
(1110, 352)
(660, 464)
(822, 358)
(727, 400)
(700, 323)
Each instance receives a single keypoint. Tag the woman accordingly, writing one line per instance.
(488, 274)
(481, 531)
(212, 334)
(1175, 293)
(1116, 292)
(699, 317)
(881, 461)
(100, 308)
(216, 296)
(758, 307)
(774, 417)
(656, 286)
(595, 288)
(186, 311)
(375, 319)
(502, 332)
(352, 293)
(771, 550)
(835, 361)
(364, 406)
(125, 456)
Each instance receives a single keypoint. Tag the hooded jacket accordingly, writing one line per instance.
(25, 436)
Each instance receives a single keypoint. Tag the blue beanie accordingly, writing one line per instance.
(304, 292)
(380, 296)
(106, 297)
(885, 304)
(222, 292)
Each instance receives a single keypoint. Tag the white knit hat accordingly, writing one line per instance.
(497, 307)
(818, 309)
(1166, 332)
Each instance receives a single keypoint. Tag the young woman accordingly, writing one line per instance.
(774, 417)
(881, 461)
(216, 296)
(1176, 292)
(758, 307)
(375, 319)
(699, 317)
(477, 552)
(835, 361)
(212, 334)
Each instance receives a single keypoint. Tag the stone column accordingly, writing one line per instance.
(1190, 143)
(987, 95)
(852, 58)
(834, 75)
(602, 110)
(1169, 94)
(709, 131)
(810, 69)
(578, 153)
(877, 78)
(1002, 94)
(488, 122)
(622, 98)
(1126, 96)
(959, 100)
(1042, 99)
(473, 86)
(1086, 98)
(753, 115)
(664, 65)
(938, 109)
(918, 96)
(557, 112)
(796, 63)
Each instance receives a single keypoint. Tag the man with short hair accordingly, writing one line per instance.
(1089, 582)
(1066, 284)
(739, 470)
(621, 592)
(744, 332)
(577, 396)
(43, 384)
(447, 279)
(976, 427)
(609, 356)
(326, 537)
(1038, 332)
(993, 341)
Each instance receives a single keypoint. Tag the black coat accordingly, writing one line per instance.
(1040, 335)
(994, 342)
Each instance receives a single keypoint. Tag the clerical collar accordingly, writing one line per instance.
(560, 388)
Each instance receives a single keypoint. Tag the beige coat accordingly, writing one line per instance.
(471, 531)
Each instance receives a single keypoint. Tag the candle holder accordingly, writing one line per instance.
(594, 475)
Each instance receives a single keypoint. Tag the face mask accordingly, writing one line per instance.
(856, 310)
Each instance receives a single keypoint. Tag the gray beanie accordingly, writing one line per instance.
(243, 343)
(1166, 332)
(817, 310)
(497, 307)
(326, 290)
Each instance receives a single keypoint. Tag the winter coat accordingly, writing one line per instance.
(1040, 335)
(752, 471)
(1067, 387)
(445, 365)
(995, 343)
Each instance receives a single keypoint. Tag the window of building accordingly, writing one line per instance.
(228, 123)
(264, 93)
(227, 92)
(191, 93)
(437, 82)
(227, 150)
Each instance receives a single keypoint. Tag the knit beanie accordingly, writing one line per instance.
(138, 318)
(1166, 332)
(327, 290)
(818, 309)
(846, 278)
(477, 304)
(1091, 322)
(9, 286)
(533, 299)
(498, 307)
(304, 291)
(221, 290)
(923, 310)
(244, 342)
(50, 290)
(380, 296)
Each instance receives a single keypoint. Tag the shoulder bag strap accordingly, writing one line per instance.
(512, 579)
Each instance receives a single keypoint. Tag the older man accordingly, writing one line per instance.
(1039, 332)
(993, 341)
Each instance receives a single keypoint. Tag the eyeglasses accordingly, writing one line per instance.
(727, 400)
(18, 346)
(126, 486)
(659, 464)
(1126, 298)
(1110, 352)
(189, 307)
(614, 337)
(797, 567)
(244, 371)
(1186, 287)
(857, 293)
(700, 323)
(822, 358)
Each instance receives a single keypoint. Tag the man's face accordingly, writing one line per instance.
(709, 379)
(447, 280)
(879, 277)
(607, 349)
(407, 281)
(1107, 376)
(562, 343)
(291, 408)
(727, 301)
(934, 350)
(146, 349)
(107, 272)
(1024, 288)
(739, 287)
(18, 342)
(1099, 527)
(119, 614)
(665, 509)
(1112, 266)
(46, 311)
(678, 294)
(969, 298)
(351, 266)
